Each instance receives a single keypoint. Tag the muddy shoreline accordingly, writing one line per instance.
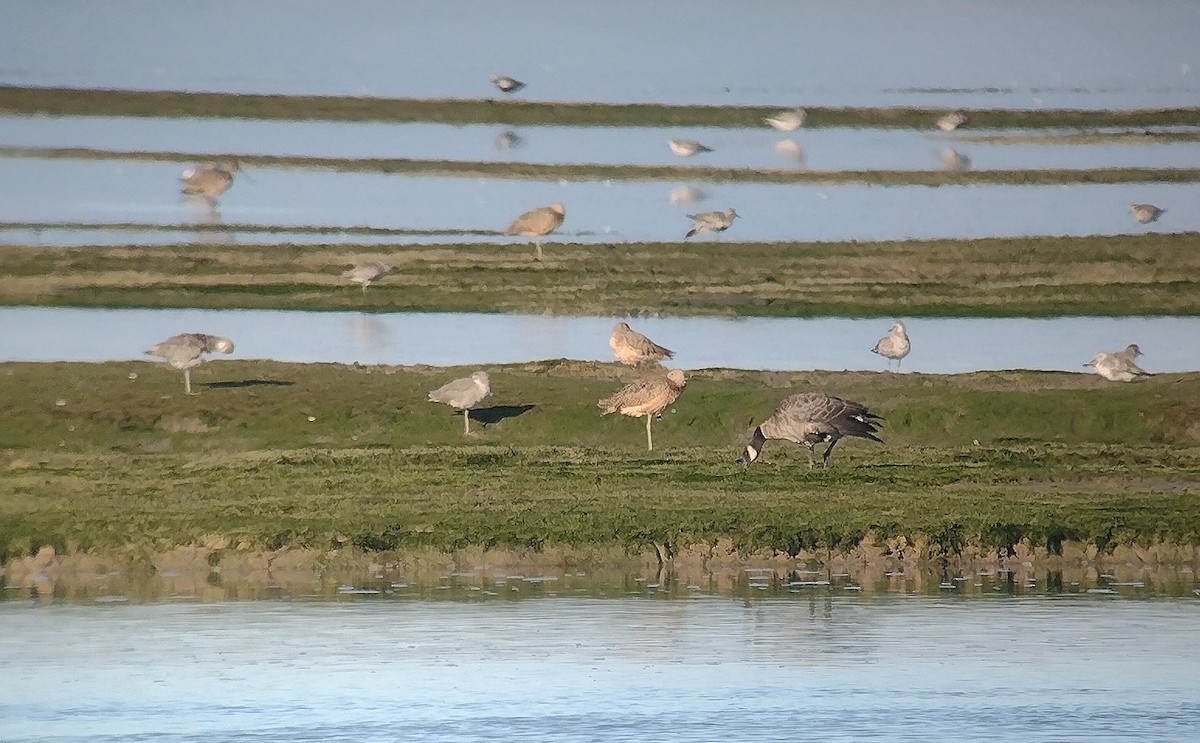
(215, 573)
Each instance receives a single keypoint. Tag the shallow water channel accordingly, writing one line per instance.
(940, 345)
(817, 666)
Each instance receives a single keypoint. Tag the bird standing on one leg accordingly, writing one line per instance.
(464, 394)
(538, 223)
(894, 345)
(188, 350)
(811, 418)
(648, 397)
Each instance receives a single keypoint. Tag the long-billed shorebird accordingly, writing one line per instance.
(648, 397)
(634, 349)
(366, 273)
(1145, 213)
(787, 121)
(710, 222)
(951, 121)
(209, 180)
(464, 394)
(811, 418)
(188, 350)
(687, 147)
(894, 345)
(537, 223)
(1119, 366)
(507, 84)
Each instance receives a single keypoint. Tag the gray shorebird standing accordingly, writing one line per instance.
(464, 394)
(1145, 213)
(787, 121)
(634, 349)
(188, 350)
(1119, 366)
(538, 223)
(507, 84)
(710, 222)
(687, 147)
(811, 418)
(209, 180)
(648, 397)
(951, 121)
(894, 345)
(366, 273)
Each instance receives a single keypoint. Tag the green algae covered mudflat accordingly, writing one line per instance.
(319, 456)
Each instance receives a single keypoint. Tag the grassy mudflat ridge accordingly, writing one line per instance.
(633, 172)
(95, 102)
(1147, 274)
(972, 461)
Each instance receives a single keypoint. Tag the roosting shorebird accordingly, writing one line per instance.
(537, 223)
(787, 121)
(1145, 213)
(648, 397)
(811, 418)
(710, 222)
(507, 84)
(634, 349)
(464, 394)
(188, 350)
(366, 273)
(687, 147)
(1119, 366)
(209, 180)
(951, 121)
(894, 345)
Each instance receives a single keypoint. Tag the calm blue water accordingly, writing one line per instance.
(939, 345)
(759, 148)
(44, 190)
(1065, 54)
(819, 667)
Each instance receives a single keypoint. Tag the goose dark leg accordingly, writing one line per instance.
(825, 459)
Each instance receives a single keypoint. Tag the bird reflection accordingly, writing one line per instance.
(204, 212)
(368, 332)
(507, 140)
(687, 195)
(954, 160)
(790, 149)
